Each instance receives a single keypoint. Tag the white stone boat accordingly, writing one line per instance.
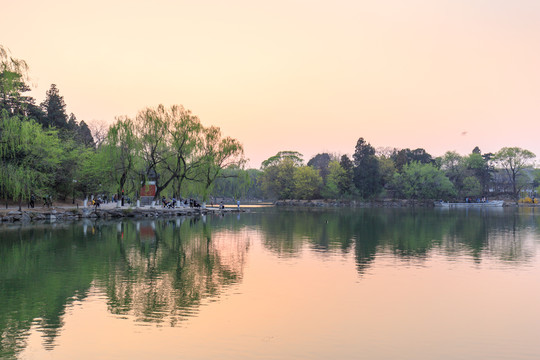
(491, 203)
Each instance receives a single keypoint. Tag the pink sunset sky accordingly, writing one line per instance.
(310, 76)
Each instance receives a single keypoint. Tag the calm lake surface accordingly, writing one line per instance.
(276, 284)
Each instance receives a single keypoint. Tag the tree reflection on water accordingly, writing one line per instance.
(155, 271)
(160, 271)
(406, 233)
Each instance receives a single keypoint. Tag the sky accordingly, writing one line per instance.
(310, 76)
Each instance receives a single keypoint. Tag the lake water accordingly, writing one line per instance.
(276, 284)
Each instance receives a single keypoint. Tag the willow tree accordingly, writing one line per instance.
(185, 133)
(235, 183)
(216, 154)
(168, 140)
(120, 152)
(13, 74)
(29, 157)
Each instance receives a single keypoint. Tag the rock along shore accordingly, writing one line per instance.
(61, 214)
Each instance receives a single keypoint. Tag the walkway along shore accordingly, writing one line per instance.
(63, 214)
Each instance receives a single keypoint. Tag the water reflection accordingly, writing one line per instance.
(154, 271)
(159, 272)
(406, 233)
(167, 268)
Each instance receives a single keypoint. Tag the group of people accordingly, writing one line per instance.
(478, 200)
(192, 203)
(47, 201)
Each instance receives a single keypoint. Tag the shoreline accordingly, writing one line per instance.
(384, 203)
(73, 214)
(70, 213)
(389, 203)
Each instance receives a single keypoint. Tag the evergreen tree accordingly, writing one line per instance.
(367, 178)
(406, 156)
(420, 155)
(346, 185)
(85, 135)
(72, 123)
(80, 132)
(55, 109)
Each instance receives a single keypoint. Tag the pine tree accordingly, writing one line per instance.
(85, 135)
(367, 178)
(55, 109)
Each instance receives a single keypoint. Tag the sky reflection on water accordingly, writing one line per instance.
(316, 284)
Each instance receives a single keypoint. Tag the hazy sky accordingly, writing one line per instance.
(310, 76)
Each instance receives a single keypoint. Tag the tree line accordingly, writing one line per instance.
(399, 173)
(46, 153)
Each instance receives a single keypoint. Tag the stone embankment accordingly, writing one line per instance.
(60, 214)
(386, 203)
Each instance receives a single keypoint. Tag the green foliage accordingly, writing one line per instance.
(347, 185)
(294, 156)
(185, 157)
(453, 166)
(338, 183)
(367, 178)
(171, 146)
(84, 135)
(536, 181)
(321, 163)
(423, 181)
(45, 269)
(406, 156)
(471, 187)
(13, 74)
(29, 157)
(387, 170)
(307, 183)
(168, 143)
(93, 173)
(514, 160)
(238, 183)
(217, 154)
(277, 181)
(55, 109)
(479, 166)
(118, 156)
(474, 161)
